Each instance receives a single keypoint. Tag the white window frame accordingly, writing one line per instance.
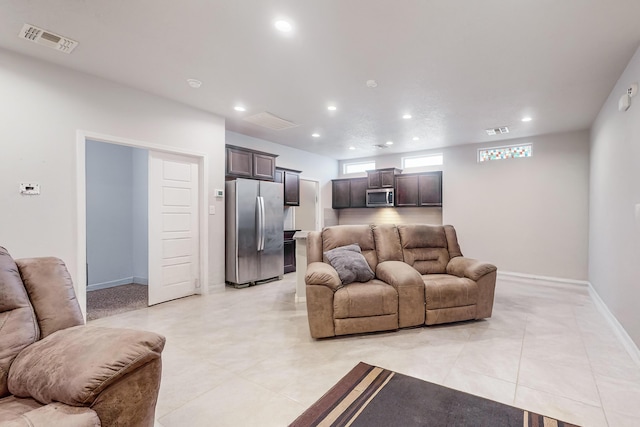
(424, 156)
(371, 164)
(530, 144)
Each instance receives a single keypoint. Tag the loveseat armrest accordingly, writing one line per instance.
(409, 285)
(320, 273)
(83, 365)
(469, 268)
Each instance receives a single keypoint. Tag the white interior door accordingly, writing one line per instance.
(305, 214)
(173, 227)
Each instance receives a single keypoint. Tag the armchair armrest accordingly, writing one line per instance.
(75, 365)
(320, 273)
(469, 268)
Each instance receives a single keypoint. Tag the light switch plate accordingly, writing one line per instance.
(29, 189)
(212, 210)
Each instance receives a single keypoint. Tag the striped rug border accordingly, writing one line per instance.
(344, 402)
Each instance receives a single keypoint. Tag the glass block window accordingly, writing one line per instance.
(358, 167)
(501, 153)
(419, 161)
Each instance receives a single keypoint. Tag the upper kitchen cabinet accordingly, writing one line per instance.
(245, 163)
(420, 189)
(290, 180)
(349, 193)
(382, 178)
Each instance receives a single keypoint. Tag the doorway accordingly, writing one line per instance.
(117, 223)
(198, 225)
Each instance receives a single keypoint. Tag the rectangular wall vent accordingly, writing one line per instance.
(270, 121)
(498, 131)
(47, 38)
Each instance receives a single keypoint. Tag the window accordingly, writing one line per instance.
(419, 161)
(500, 153)
(358, 167)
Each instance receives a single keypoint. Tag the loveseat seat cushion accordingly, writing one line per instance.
(424, 247)
(445, 291)
(76, 364)
(373, 298)
(18, 327)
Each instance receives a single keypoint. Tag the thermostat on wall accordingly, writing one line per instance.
(29, 189)
(219, 193)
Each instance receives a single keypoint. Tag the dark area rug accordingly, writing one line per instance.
(119, 299)
(370, 396)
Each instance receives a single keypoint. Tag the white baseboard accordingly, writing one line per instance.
(113, 283)
(619, 331)
(300, 299)
(533, 278)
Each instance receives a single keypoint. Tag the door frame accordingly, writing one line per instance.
(81, 212)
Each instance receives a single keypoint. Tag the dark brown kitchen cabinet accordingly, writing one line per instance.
(245, 163)
(358, 193)
(382, 178)
(349, 193)
(290, 180)
(341, 193)
(422, 189)
(289, 251)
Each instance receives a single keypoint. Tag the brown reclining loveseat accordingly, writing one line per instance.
(54, 370)
(419, 277)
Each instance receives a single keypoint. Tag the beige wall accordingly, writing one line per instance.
(614, 225)
(390, 216)
(42, 108)
(527, 216)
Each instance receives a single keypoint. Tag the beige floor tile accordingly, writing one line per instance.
(481, 385)
(573, 382)
(622, 420)
(560, 407)
(619, 396)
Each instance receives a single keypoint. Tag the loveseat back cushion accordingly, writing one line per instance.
(388, 246)
(343, 235)
(50, 289)
(424, 247)
(18, 326)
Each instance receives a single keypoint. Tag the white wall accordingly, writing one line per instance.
(313, 166)
(614, 210)
(43, 108)
(527, 216)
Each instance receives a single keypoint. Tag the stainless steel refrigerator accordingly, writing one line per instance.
(254, 231)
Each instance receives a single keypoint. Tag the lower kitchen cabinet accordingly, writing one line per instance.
(289, 251)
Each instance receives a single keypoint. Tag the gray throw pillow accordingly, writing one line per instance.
(350, 264)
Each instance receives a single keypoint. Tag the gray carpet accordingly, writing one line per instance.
(119, 299)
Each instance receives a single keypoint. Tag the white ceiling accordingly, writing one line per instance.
(457, 66)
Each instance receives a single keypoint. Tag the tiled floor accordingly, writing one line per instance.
(244, 357)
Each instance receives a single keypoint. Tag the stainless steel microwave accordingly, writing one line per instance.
(379, 197)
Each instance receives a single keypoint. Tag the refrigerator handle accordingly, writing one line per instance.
(259, 224)
(263, 223)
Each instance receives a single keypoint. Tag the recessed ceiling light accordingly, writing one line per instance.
(194, 83)
(406, 116)
(332, 108)
(372, 83)
(282, 25)
(352, 148)
(389, 142)
(315, 135)
(239, 108)
(415, 138)
(526, 119)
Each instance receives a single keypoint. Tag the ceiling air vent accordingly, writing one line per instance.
(47, 38)
(380, 146)
(270, 121)
(498, 131)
